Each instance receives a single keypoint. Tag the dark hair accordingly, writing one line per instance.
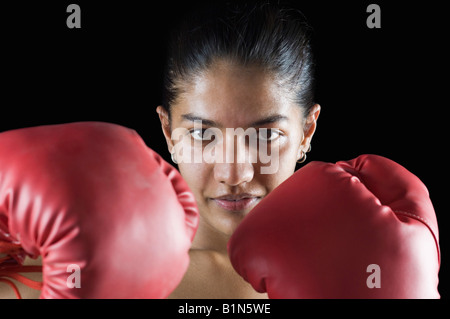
(273, 37)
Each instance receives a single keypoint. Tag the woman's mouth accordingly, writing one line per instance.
(236, 202)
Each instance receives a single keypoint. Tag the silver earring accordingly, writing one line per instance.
(303, 158)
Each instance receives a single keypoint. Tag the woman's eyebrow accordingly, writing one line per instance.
(267, 120)
(191, 117)
(270, 119)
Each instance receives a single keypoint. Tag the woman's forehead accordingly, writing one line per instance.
(232, 95)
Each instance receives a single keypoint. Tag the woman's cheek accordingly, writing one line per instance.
(193, 174)
(287, 155)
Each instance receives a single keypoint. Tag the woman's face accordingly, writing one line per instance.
(232, 101)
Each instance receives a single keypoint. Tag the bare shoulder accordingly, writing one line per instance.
(211, 276)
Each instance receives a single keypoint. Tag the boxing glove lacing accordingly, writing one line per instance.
(10, 268)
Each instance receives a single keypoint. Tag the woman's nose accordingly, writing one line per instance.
(237, 166)
(233, 174)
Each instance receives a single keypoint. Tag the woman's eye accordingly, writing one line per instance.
(198, 134)
(269, 134)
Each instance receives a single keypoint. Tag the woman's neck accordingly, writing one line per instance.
(209, 238)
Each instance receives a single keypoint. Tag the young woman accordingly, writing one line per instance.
(230, 68)
(235, 67)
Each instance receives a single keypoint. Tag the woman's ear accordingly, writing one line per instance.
(310, 127)
(165, 125)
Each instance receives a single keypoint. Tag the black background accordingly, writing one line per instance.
(380, 89)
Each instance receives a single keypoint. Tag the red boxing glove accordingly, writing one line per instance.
(93, 200)
(364, 228)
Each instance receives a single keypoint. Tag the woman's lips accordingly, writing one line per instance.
(236, 205)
